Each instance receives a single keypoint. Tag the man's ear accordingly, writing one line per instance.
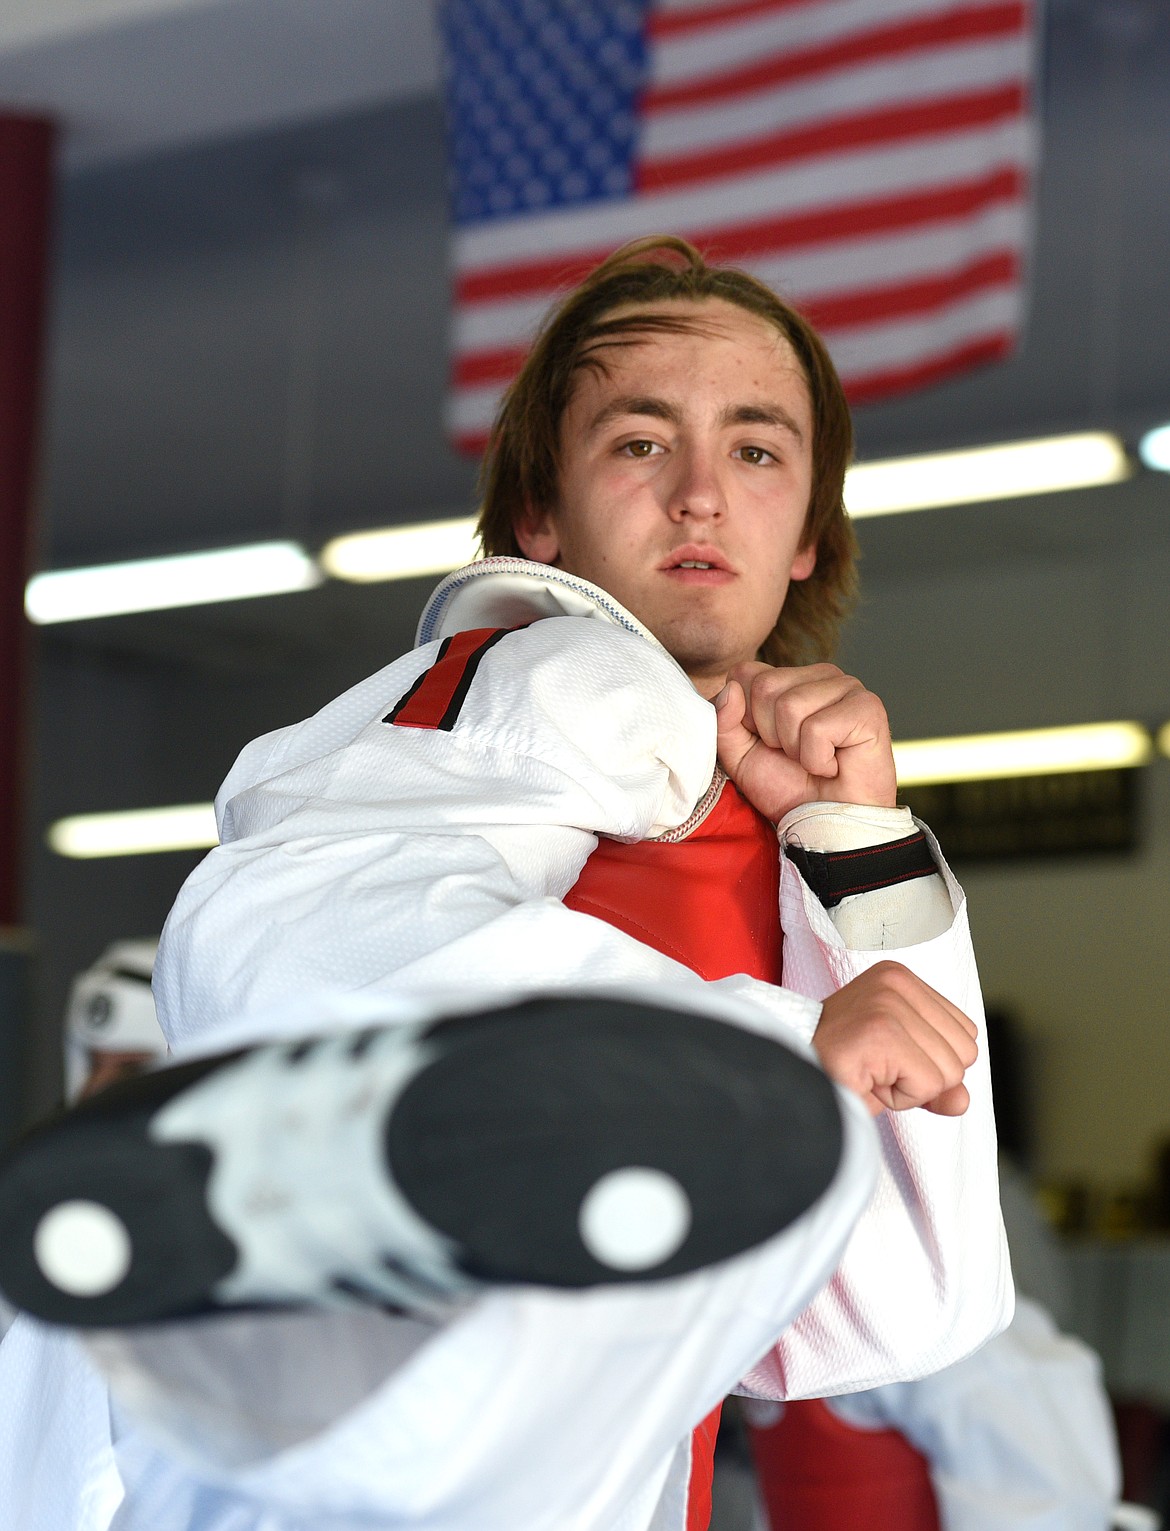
(804, 562)
(536, 532)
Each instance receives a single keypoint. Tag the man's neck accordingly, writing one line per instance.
(708, 686)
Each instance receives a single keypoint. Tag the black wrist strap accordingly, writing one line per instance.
(834, 875)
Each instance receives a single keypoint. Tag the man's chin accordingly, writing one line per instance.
(706, 656)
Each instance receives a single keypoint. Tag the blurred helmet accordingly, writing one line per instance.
(111, 1010)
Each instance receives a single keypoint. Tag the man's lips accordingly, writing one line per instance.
(697, 566)
(693, 559)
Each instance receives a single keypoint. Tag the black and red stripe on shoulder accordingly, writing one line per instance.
(437, 695)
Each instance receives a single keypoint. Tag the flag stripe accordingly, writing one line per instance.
(801, 269)
(859, 222)
(882, 303)
(470, 443)
(859, 350)
(903, 169)
(863, 306)
(893, 41)
(739, 44)
(865, 350)
(927, 119)
(981, 67)
(864, 388)
(701, 16)
(838, 269)
(960, 358)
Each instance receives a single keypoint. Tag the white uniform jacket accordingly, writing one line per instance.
(364, 856)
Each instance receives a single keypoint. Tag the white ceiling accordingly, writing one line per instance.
(127, 78)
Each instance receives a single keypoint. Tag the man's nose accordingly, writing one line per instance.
(697, 491)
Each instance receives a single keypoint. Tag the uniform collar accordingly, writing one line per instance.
(509, 592)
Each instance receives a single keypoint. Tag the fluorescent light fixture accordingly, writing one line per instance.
(1029, 752)
(158, 584)
(434, 547)
(919, 762)
(985, 473)
(402, 552)
(137, 832)
(1154, 449)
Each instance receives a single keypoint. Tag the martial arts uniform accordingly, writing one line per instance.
(1018, 1437)
(391, 845)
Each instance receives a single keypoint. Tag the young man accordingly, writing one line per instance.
(542, 799)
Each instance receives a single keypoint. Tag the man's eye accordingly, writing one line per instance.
(756, 455)
(640, 448)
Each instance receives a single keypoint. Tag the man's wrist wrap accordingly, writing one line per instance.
(834, 875)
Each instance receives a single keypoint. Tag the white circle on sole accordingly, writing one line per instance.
(633, 1219)
(82, 1248)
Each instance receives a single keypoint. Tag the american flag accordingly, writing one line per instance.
(871, 160)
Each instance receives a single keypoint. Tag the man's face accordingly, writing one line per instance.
(685, 476)
(107, 1068)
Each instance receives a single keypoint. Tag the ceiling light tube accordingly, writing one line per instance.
(970, 477)
(135, 832)
(159, 584)
(402, 552)
(1028, 752)
(1154, 449)
(919, 762)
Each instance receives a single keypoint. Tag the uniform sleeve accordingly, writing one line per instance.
(926, 1277)
(423, 829)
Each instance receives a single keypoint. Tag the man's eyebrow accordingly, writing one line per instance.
(662, 409)
(635, 404)
(762, 414)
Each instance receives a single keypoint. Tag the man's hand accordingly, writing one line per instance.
(897, 1042)
(803, 735)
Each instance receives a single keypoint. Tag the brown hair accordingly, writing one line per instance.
(520, 467)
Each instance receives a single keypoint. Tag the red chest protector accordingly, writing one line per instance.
(711, 901)
(819, 1473)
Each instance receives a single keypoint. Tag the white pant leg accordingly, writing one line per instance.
(534, 1411)
(57, 1468)
(1019, 1436)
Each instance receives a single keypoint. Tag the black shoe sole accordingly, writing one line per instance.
(101, 1152)
(496, 1143)
(500, 1141)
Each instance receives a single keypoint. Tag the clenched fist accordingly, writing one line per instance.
(897, 1042)
(805, 734)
